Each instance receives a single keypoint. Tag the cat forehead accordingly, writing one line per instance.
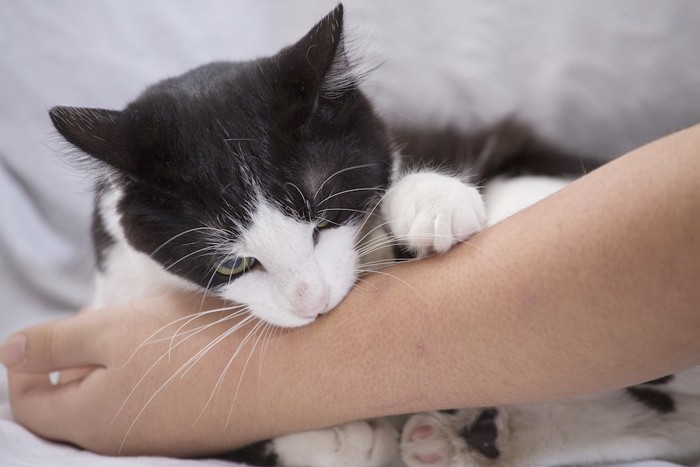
(271, 230)
(209, 80)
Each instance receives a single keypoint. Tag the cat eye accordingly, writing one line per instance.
(236, 266)
(324, 224)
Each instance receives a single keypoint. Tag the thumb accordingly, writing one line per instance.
(54, 345)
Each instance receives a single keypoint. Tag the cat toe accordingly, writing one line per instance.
(430, 212)
(426, 441)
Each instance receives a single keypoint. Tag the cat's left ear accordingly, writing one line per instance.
(96, 132)
(308, 63)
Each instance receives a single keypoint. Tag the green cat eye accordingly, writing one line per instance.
(324, 224)
(235, 266)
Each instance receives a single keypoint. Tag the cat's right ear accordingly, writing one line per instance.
(308, 63)
(96, 132)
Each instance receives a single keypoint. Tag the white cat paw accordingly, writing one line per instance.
(428, 212)
(427, 440)
(364, 443)
(468, 438)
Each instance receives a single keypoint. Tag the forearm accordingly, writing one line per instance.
(591, 289)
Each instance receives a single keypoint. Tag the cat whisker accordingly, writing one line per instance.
(358, 211)
(175, 237)
(351, 190)
(183, 368)
(347, 169)
(149, 340)
(240, 379)
(199, 355)
(213, 270)
(267, 331)
(303, 198)
(376, 244)
(274, 331)
(190, 332)
(398, 279)
(189, 255)
(359, 279)
(386, 263)
(201, 328)
(220, 380)
(369, 216)
(237, 311)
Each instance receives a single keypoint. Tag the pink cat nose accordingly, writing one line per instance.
(311, 308)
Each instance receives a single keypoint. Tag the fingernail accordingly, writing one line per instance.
(13, 351)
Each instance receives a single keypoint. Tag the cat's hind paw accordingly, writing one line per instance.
(364, 443)
(467, 438)
(428, 212)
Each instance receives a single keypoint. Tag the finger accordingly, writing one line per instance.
(44, 408)
(55, 345)
(23, 383)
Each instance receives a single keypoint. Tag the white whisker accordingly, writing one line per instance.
(188, 364)
(347, 169)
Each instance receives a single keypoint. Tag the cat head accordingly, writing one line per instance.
(250, 179)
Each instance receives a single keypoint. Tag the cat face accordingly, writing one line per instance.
(249, 179)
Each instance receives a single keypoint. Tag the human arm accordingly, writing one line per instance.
(591, 289)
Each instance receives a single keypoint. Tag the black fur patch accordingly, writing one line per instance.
(662, 380)
(259, 454)
(653, 398)
(509, 148)
(482, 434)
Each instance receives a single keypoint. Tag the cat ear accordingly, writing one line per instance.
(95, 132)
(307, 64)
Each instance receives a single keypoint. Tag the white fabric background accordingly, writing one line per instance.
(463, 63)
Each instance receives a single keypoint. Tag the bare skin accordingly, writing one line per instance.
(591, 289)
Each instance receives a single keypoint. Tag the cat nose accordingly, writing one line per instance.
(311, 307)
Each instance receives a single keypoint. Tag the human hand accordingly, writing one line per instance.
(124, 373)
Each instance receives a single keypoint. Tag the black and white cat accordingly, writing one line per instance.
(260, 182)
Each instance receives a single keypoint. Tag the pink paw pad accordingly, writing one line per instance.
(432, 458)
(421, 432)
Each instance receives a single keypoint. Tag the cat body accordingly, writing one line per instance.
(269, 183)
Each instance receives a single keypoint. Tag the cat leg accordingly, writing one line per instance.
(621, 425)
(429, 212)
(363, 443)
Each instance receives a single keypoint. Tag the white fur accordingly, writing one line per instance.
(429, 212)
(128, 273)
(355, 444)
(300, 280)
(504, 197)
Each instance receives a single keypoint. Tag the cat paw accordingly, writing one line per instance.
(366, 443)
(468, 438)
(428, 212)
